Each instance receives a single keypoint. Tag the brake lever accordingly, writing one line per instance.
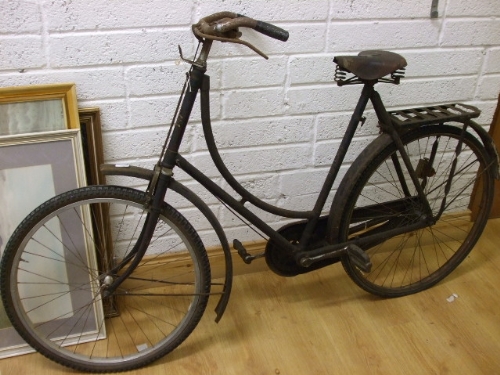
(192, 62)
(199, 34)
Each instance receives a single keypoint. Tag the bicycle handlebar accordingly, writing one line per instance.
(223, 26)
(223, 22)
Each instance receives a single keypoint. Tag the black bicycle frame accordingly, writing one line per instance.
(199, 81)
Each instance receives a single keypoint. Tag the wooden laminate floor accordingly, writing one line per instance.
(322, 323)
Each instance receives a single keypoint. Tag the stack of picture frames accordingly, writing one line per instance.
(47, 146)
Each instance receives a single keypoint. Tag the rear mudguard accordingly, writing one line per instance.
(369, 153)
(146, 174)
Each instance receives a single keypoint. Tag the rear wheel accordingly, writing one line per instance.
(60, 259)
(377, 201)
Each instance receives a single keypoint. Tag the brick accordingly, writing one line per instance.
(267, 160)
(443, 62)
(333, 126)
(302, 182)
(116, 48)
(139, 144)
(348, 9)
(253, 103)
(315, 69)
(87, 81)
(261, 185)
(154, 111)
(413, 93)
(328, 98)
(146, 112)
(96, 14)
(114, 113)
(241, 73)
(478, 32)
(20, 17)
(466, 8)
(493, 61)
(21, 52)
(179, 202)
(325, 152)
(298, 202)
(269, 131)
(156, 79)
(161, 79)
(489, 87)
(487, 109)
(228, 219)
(257, 160)
(382, 35)
(268, 10)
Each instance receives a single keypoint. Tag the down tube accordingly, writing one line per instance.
(233, 203)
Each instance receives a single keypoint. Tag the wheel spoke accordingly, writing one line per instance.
(64, 256)
(417, 260)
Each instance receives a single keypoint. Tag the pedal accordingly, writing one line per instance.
(359, 258)
(244, 254)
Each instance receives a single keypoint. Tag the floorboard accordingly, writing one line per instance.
(322, 323)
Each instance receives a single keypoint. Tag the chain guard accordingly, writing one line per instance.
(281, 262)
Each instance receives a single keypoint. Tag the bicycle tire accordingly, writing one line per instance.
(51, 284)
(416, 260)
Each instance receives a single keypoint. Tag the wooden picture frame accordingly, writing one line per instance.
(38, 108)
(90, 127)
(40, 165)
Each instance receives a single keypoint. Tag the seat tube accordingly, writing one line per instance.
(356, 118)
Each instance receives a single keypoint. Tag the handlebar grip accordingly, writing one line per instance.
(271, 31)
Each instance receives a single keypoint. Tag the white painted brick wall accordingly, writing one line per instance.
(276, 121)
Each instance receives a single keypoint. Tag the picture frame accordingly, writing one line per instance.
(38, 108)
(40, 165)
(90, 127)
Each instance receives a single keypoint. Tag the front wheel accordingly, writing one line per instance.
(383, 198)
(62, 256)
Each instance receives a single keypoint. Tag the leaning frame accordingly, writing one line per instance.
(38, 164)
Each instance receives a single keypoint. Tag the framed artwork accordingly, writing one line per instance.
(90, 127)
(33, 168)
(38, 108)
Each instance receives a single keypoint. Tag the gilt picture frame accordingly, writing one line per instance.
(38, 108)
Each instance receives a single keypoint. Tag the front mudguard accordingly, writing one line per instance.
(148, 175)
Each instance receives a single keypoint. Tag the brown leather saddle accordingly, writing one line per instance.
(372, 64)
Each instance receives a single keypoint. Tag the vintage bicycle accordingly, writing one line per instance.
(109, 278)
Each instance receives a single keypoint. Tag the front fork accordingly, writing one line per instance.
(133, 259)
(159, 187)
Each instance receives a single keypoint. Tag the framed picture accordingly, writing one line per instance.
(38, 108)
(90, 127)
(34, 168)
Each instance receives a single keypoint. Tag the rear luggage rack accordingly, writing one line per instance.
(436, 114)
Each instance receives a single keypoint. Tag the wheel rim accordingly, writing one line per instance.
(57, 293)
(416, 260)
